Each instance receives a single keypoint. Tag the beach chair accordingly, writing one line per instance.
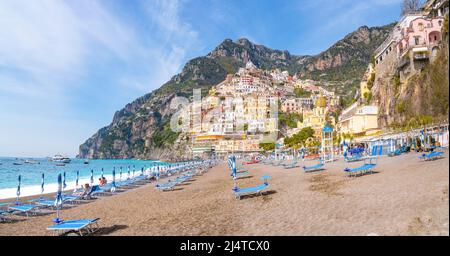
(365, 168)
(312, 168)
(238, 192)
(23, 208)
(291, 165)
(354, 158)
(432, 156)
(166, 186)
(44, 202)
(88, 226)
(396, 152)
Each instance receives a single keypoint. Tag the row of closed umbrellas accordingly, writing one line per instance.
(62, 183)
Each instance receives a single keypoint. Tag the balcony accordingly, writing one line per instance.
(421, 56)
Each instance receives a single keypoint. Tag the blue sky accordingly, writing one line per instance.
(67, 66)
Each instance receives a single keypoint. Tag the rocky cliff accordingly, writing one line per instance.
(141, 128)
(422, 97)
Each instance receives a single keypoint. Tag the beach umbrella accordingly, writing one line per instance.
(58, 200)
(76, 181)
(120, 177)
(92, 176)
(64, 180)
(134, 170)
(142, 171)
(102, 172)
(233, 166)
(42, 184)
(18, 189)
(113, 179)
(128, 173)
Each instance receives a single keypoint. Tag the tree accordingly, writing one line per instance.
(299, 138)
(410, 6)
(267, 146)
(300, 92)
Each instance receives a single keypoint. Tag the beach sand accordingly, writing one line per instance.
(404, 196)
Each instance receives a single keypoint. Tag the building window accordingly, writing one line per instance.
(416, 40)
(420, 25)
(440, 23)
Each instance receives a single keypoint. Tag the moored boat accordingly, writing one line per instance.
(61, 159)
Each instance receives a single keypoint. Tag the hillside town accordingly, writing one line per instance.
(243, 112)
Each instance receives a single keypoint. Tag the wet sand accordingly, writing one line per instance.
(404, 196)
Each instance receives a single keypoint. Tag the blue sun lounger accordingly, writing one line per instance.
(354, 158)
(432, 156)
(367, 167)
(88, 225)
(45, 202)
(23, 208)
(238, 192)
(396, 152)
(293, 164)
(312, 168)
(166, 186)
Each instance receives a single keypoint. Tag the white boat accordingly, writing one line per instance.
(61, 159)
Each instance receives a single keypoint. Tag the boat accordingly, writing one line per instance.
(60, 159)
(86, 162)
(60, 164)
(31, 162)
(17, 163)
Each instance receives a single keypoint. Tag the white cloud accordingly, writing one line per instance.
(50, 49)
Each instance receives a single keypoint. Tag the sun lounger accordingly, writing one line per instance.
(354, 158)
(278, 163)
(45, 202)
(367, 167)
(397, 152)
(293, 164)
(166, 186)
(23, 208)
(432, 156)
(238, 192)
(88, 226)
(312, 168)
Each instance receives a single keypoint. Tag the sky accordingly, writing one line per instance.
(67, 66)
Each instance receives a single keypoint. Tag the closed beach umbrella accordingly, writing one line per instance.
(18, 189)
(58, 199)
(120, 177)
(128, 173)
(134, 170)
(92, 177)
(76, 181)
(113, 179)
(64, 180)
(42, 184)
(142, 171)
(233, 159)
(102, 173)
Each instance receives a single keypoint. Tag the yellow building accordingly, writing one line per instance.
(359, 120)
(317, 117)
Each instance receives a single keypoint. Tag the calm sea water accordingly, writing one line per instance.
(31, 173)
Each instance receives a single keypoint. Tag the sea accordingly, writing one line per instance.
(31, 174)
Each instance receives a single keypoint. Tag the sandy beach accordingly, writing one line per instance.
(405, 196)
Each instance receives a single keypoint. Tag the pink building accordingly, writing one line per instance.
(421, 33)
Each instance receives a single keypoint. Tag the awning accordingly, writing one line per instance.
(420, 49)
